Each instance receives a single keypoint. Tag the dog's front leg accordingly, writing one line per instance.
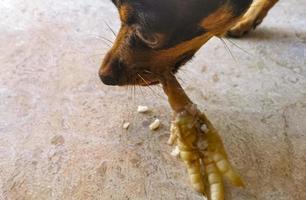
(252, 18)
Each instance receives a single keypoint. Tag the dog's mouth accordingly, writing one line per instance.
(150, 83)
(143, 76)
(146, 78)
(140, 77)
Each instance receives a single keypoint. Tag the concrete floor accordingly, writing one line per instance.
(60, 127)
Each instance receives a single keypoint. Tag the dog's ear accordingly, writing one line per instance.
(116, 2)
(120, 2)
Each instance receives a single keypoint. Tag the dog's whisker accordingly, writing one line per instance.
(105, 39)
(141, 91)
(229, 50)
(110, 28)
(147, 84)
(236, 45)
(130, 113)
(134, 92)
(179, 77)
(130, 93)
(148, 71)
(97, 55)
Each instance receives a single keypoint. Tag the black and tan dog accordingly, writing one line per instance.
(156, 38)
(161, 35)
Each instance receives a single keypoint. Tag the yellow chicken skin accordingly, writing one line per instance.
(201, 148)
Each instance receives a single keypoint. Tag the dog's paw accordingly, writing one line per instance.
(252, 18)
(243, 27)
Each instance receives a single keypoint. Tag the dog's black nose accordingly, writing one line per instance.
(111, 71)
(109, 80)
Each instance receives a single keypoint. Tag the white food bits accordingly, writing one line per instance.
(175, 152)
(155, 125)
(126, 125)
(142, 109)
(204, 128)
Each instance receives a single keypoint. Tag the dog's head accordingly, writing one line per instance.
(158, 36)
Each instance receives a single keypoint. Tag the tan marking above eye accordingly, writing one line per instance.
(193, 44)
(124, 12)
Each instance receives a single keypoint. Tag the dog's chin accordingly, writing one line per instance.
(182, 60)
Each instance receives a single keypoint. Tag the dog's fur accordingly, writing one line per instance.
(158, 36)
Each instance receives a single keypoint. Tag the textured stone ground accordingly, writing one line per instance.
(60, 128)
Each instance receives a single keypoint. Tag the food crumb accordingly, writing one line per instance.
(126, 125)
(204, 128)
(175, 152)
(155, 125)
(142, 109)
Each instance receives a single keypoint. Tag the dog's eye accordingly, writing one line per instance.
(153, 40)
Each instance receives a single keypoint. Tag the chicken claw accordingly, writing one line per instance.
(201, 149)
(203, 154)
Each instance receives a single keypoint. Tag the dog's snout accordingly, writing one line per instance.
(111, 71)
